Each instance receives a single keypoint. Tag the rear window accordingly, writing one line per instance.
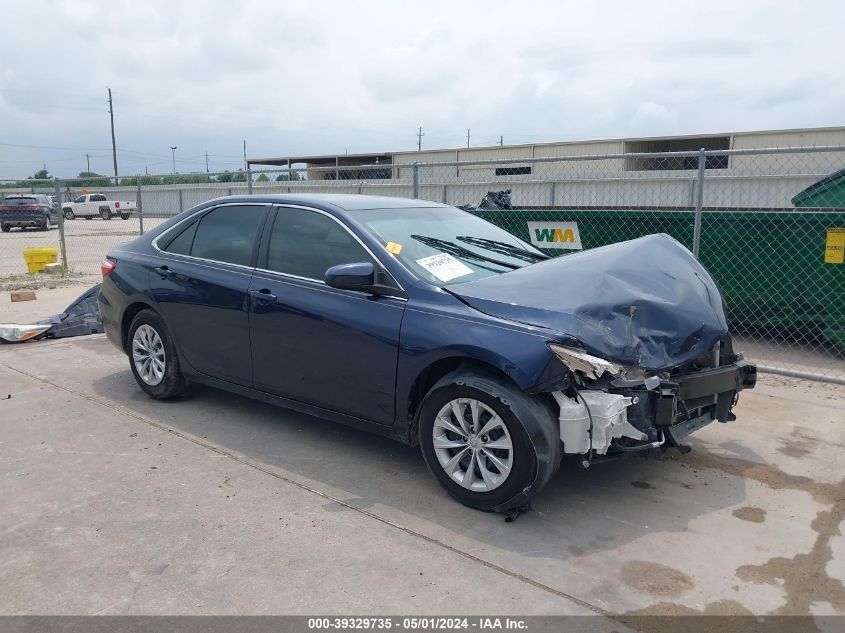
(19, 202)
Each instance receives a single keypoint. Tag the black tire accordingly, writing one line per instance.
(89, 217)
(124, 216)
(5, 228)
(68, 214)
(173, 384)
(105, 214)
(46, 225)
(505, 400)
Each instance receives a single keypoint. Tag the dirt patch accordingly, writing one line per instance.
(724, 616)
(642, 485)
(42, 281)
(803, 577)
(655, 579)
(800, 443)
(752, 515)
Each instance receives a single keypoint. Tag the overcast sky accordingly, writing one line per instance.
(327, 77)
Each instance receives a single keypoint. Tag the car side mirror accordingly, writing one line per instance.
(357, 276)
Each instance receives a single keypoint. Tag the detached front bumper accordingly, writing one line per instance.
(673, 409)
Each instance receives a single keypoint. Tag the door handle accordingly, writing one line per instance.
(164, 271)
(263, 296)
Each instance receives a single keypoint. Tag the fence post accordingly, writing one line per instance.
(140, 204)
(249, 181)
(416, 181)
(181, 204)
(699, 200)
(57, 189)
(552, 193)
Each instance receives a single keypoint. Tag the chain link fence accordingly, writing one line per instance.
(768, 223)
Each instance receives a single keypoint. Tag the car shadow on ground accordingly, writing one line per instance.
(580, 512)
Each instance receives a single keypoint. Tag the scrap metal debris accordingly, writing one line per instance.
(493, 201)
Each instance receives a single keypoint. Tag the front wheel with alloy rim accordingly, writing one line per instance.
(474, 443)
(153, 358)
(68, 214)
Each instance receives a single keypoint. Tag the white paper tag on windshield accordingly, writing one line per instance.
(444, 266)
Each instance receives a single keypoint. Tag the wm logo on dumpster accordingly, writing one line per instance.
(562, 235)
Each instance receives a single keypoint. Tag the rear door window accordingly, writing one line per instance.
(227, 234)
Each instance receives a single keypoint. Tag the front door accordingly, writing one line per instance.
(335, 349)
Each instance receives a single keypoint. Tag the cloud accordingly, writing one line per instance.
(294, 78)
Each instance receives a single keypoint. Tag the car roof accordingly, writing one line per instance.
(341, 201)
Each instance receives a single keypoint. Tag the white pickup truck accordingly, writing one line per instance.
(92, 205)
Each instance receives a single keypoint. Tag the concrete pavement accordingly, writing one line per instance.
(119, 504)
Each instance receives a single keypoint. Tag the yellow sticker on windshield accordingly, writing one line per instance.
(393, 247)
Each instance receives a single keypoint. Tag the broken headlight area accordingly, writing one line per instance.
(583, 364)
(14, 333)
(609, 409)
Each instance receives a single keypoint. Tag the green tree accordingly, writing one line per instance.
(41, 174)
(262, 178)
(289, 176)
(144, 180)
(232, 176)
(91, 179)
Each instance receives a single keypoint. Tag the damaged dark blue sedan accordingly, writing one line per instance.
(425, 323)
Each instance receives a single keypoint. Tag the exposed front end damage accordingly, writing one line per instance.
(640, 338)
(608, 409)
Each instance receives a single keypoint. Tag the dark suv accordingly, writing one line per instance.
(28, 211)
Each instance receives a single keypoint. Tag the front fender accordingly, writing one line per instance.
(519, 353)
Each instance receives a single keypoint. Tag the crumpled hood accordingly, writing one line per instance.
(646, 302)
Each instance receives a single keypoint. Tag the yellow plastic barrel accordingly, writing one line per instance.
(36, 256)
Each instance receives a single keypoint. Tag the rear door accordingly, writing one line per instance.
(200, 284)
(332, 348)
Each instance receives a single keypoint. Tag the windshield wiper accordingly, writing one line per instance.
(459, 251)
(504, 248)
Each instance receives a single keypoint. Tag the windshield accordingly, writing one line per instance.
(19, 202)
(444, 245)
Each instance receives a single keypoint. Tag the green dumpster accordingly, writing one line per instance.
(771, 266)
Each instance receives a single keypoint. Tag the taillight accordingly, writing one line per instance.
(117, 205)
(107, 267)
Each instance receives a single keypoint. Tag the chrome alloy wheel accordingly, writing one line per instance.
(472, 444)
(148, 355)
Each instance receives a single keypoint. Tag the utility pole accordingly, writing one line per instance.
(467, 137)
(246, 167)
(88, 162)
(501, 141)
(419, 139)
(113, 144)
(206, 162)
(173, 149)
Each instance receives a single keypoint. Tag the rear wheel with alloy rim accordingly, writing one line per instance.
(69, 214)
(152, 357)
(105, 214)
(473, 441)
